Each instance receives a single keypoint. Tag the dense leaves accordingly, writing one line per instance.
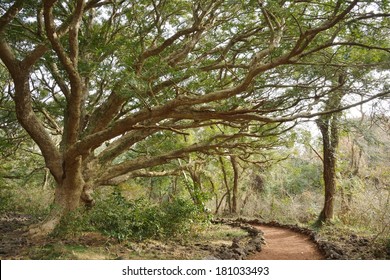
(123, 219)
(113, 90)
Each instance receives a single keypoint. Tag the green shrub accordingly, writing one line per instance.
(7, 202)
(123, 219)
(179, 217)
(73, 223)
(139, 219)
(118, 218)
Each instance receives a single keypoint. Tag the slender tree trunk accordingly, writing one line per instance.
(46, 179)
(215, 192)
(197, 187)
(329, 127)
(218, 205)
(233, 160)
(228, 197)
(330, 139)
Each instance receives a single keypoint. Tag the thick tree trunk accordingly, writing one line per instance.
(67, 199)
(69, 194)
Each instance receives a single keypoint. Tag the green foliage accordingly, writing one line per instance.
(116, 217)
(294, 176)
(180, 216)
(7, 201)
(21, 189)
(122, 219)
(73, 223)
(200, 54)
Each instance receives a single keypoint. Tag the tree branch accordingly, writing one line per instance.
(147, 161)
(73, 120)
(10, 14)
(74, 32)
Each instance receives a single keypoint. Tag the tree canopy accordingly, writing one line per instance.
(110, 90)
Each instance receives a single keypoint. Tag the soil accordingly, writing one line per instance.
(286, 244)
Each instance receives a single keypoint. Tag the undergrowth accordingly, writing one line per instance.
(122, 219)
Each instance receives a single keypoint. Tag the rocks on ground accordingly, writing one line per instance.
(241, 247)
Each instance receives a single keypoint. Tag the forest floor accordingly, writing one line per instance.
(282, 242)
(14, 244)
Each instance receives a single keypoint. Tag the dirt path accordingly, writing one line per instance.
(285, 244)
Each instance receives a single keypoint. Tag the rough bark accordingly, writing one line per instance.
(330, 139)
(70, 192)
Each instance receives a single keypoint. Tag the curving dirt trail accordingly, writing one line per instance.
(281, 243)
(285, 244)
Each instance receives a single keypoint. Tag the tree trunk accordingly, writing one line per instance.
(218, 205)
(233, 160)
(46, 179)
(329, 127)
(330, 138)
(69, 194)
(228, 197)
(197, 186)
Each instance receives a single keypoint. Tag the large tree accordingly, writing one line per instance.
(100, 85)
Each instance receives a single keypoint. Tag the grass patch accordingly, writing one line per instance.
(68, 252)
(94, 246)
(50, 252)
(222, 232)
